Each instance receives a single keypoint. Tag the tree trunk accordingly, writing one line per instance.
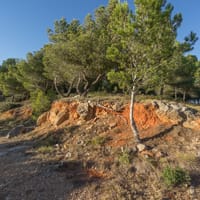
(88, 85)
(56, 87)
(132, 121)
(184, 96)
(77, 85)
(175, 93)
(70, 88)
(13, 98)
(161, 90)
(68, 91)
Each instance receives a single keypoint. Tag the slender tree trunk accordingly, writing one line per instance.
(175, 93)
(68, 91)
(13, 98)
(161, 90)
(184, 96)
(70, 88)
(132, 121)
(88, 85)
(77, 85)
(56, 87)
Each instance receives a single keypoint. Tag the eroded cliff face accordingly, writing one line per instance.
(151, 118)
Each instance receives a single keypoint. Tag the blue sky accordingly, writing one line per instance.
(24, 23)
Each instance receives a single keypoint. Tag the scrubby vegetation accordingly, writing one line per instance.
(115, 52)
(175, 176)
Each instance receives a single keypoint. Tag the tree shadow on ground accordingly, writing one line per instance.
(159, 135)
(195, 175)
(26, 177)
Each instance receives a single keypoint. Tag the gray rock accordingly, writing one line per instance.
(175, 107)
(85, 111)
(16, 131)
(163, 106)
(117, 106)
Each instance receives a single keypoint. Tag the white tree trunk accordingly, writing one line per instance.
(132, 121)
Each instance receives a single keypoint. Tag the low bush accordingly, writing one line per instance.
(45, 149)
(124, 158)
(175, 176)
(41, 102)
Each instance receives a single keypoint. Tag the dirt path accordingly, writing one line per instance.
(23, 177)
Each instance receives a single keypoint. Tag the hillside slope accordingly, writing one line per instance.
(85, 150)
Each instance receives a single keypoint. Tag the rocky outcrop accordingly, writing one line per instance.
(86, 111)
(178, 114)
(42, 118)
(60, 112)
(61, 117)
(151, 118)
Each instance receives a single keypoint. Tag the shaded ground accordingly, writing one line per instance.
(25, 176)
(97, 160)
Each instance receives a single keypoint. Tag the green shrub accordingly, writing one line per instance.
(41, 102)
(175, 176)
(98, 140)
(45, 149)
(124, 158)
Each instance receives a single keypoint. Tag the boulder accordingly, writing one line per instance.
(52, 116)
(169, 112)
(85, 111)
(16, 131)
(117, 107)
(42, 118)
(61, 117)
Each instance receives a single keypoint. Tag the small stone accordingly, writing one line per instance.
(159, 154)
(141, 147)
(191, 190)
(68, 155)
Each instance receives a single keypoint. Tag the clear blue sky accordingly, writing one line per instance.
(24, 23)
